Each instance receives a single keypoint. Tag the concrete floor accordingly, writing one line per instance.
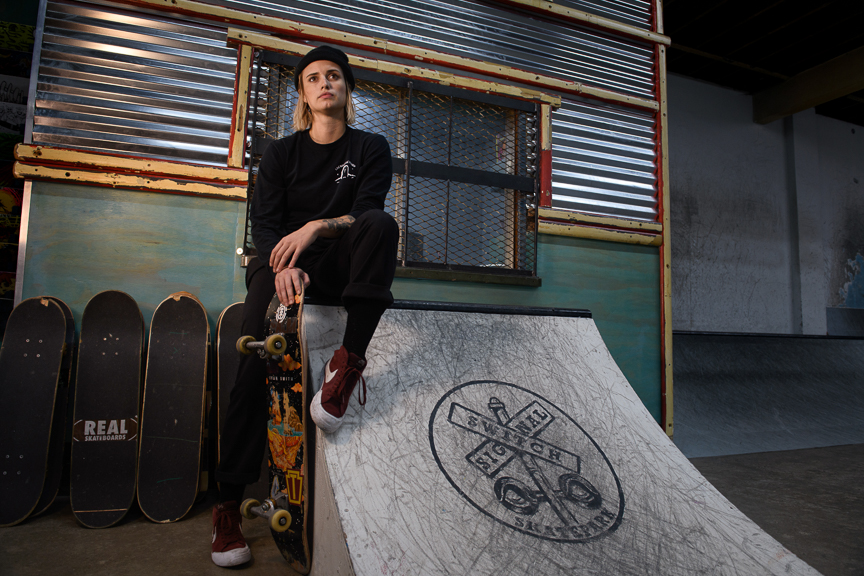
(812, 501)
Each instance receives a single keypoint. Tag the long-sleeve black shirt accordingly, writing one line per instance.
(300, 181)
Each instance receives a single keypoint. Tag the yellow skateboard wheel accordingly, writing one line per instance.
(275, 344)
(246, 508)
(242, 342)
(280, 521)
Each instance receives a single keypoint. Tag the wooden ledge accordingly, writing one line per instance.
(100, 161)
(577, 225)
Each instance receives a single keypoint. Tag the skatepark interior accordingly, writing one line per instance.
(760, 315)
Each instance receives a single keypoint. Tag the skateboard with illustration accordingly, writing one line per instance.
(31, 368)
(284, 350)
(172, 415)
(105, 414)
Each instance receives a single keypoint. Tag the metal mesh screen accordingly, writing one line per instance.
(463, 189)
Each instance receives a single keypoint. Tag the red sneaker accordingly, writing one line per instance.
(340, 376)
(229, 545)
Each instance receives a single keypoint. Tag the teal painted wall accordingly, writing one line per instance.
(82, 240)
(618, 283)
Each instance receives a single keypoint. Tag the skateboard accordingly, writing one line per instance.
(57, 445)
(172, 415)
(31, 359)
(227, 361)
(105, 414)
(228, 330)
(287, 507)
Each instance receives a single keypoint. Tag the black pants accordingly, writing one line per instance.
(357, 267)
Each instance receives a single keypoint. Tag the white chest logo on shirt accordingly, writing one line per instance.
(344, 171)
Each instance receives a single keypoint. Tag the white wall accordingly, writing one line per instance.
(764, 218)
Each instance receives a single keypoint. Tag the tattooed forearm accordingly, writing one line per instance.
(337, 226)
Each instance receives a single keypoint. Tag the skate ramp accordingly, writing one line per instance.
(511, 444)
(736, 394)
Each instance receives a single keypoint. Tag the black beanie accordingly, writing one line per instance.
(325, 53)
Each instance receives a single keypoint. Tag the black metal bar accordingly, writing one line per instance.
(250, 187)
(469, 176)
(408, 122)
(447, 201)
(489, 309)
(536, 199)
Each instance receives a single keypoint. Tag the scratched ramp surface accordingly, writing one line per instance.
(512, 444)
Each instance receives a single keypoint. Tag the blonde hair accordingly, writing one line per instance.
(303, 115)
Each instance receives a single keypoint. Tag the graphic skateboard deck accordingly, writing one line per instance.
(105, 415)
(287, 508)
(172, 415)
(228, 330)
(57, 444)
(31, 360)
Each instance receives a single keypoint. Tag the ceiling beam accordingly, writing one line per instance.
(838, 77)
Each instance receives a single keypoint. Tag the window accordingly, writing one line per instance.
(465, 176)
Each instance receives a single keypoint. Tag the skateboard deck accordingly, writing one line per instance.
(30, 365)
(228, 330)
(288, 434)
(105, 415)
(172, 415)
(57, 444)
(227, 361)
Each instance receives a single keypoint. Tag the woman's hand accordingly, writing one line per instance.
(289, 282)
(289, 248)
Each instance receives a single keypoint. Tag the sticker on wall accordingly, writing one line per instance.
(522, 461)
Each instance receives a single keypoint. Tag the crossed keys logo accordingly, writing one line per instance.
(524, 470)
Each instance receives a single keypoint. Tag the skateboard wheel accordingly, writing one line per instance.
(275, 344)
(246, 508)
(280, 521)
(242, 344)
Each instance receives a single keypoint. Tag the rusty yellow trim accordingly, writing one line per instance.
(545, 127)
(578, 218)
(437, 76)
(605, 234)
(592, 20)
(667, 246)
(237, 154)
(133, 181)
(46, 155)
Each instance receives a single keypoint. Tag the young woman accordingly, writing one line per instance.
(318, 221)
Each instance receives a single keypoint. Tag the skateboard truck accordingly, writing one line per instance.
(274, 345)
(273, 508)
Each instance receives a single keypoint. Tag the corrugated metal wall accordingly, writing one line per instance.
(131, 83)
(474, 30)
(604, 161)
(633, 12)
(121, 82)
